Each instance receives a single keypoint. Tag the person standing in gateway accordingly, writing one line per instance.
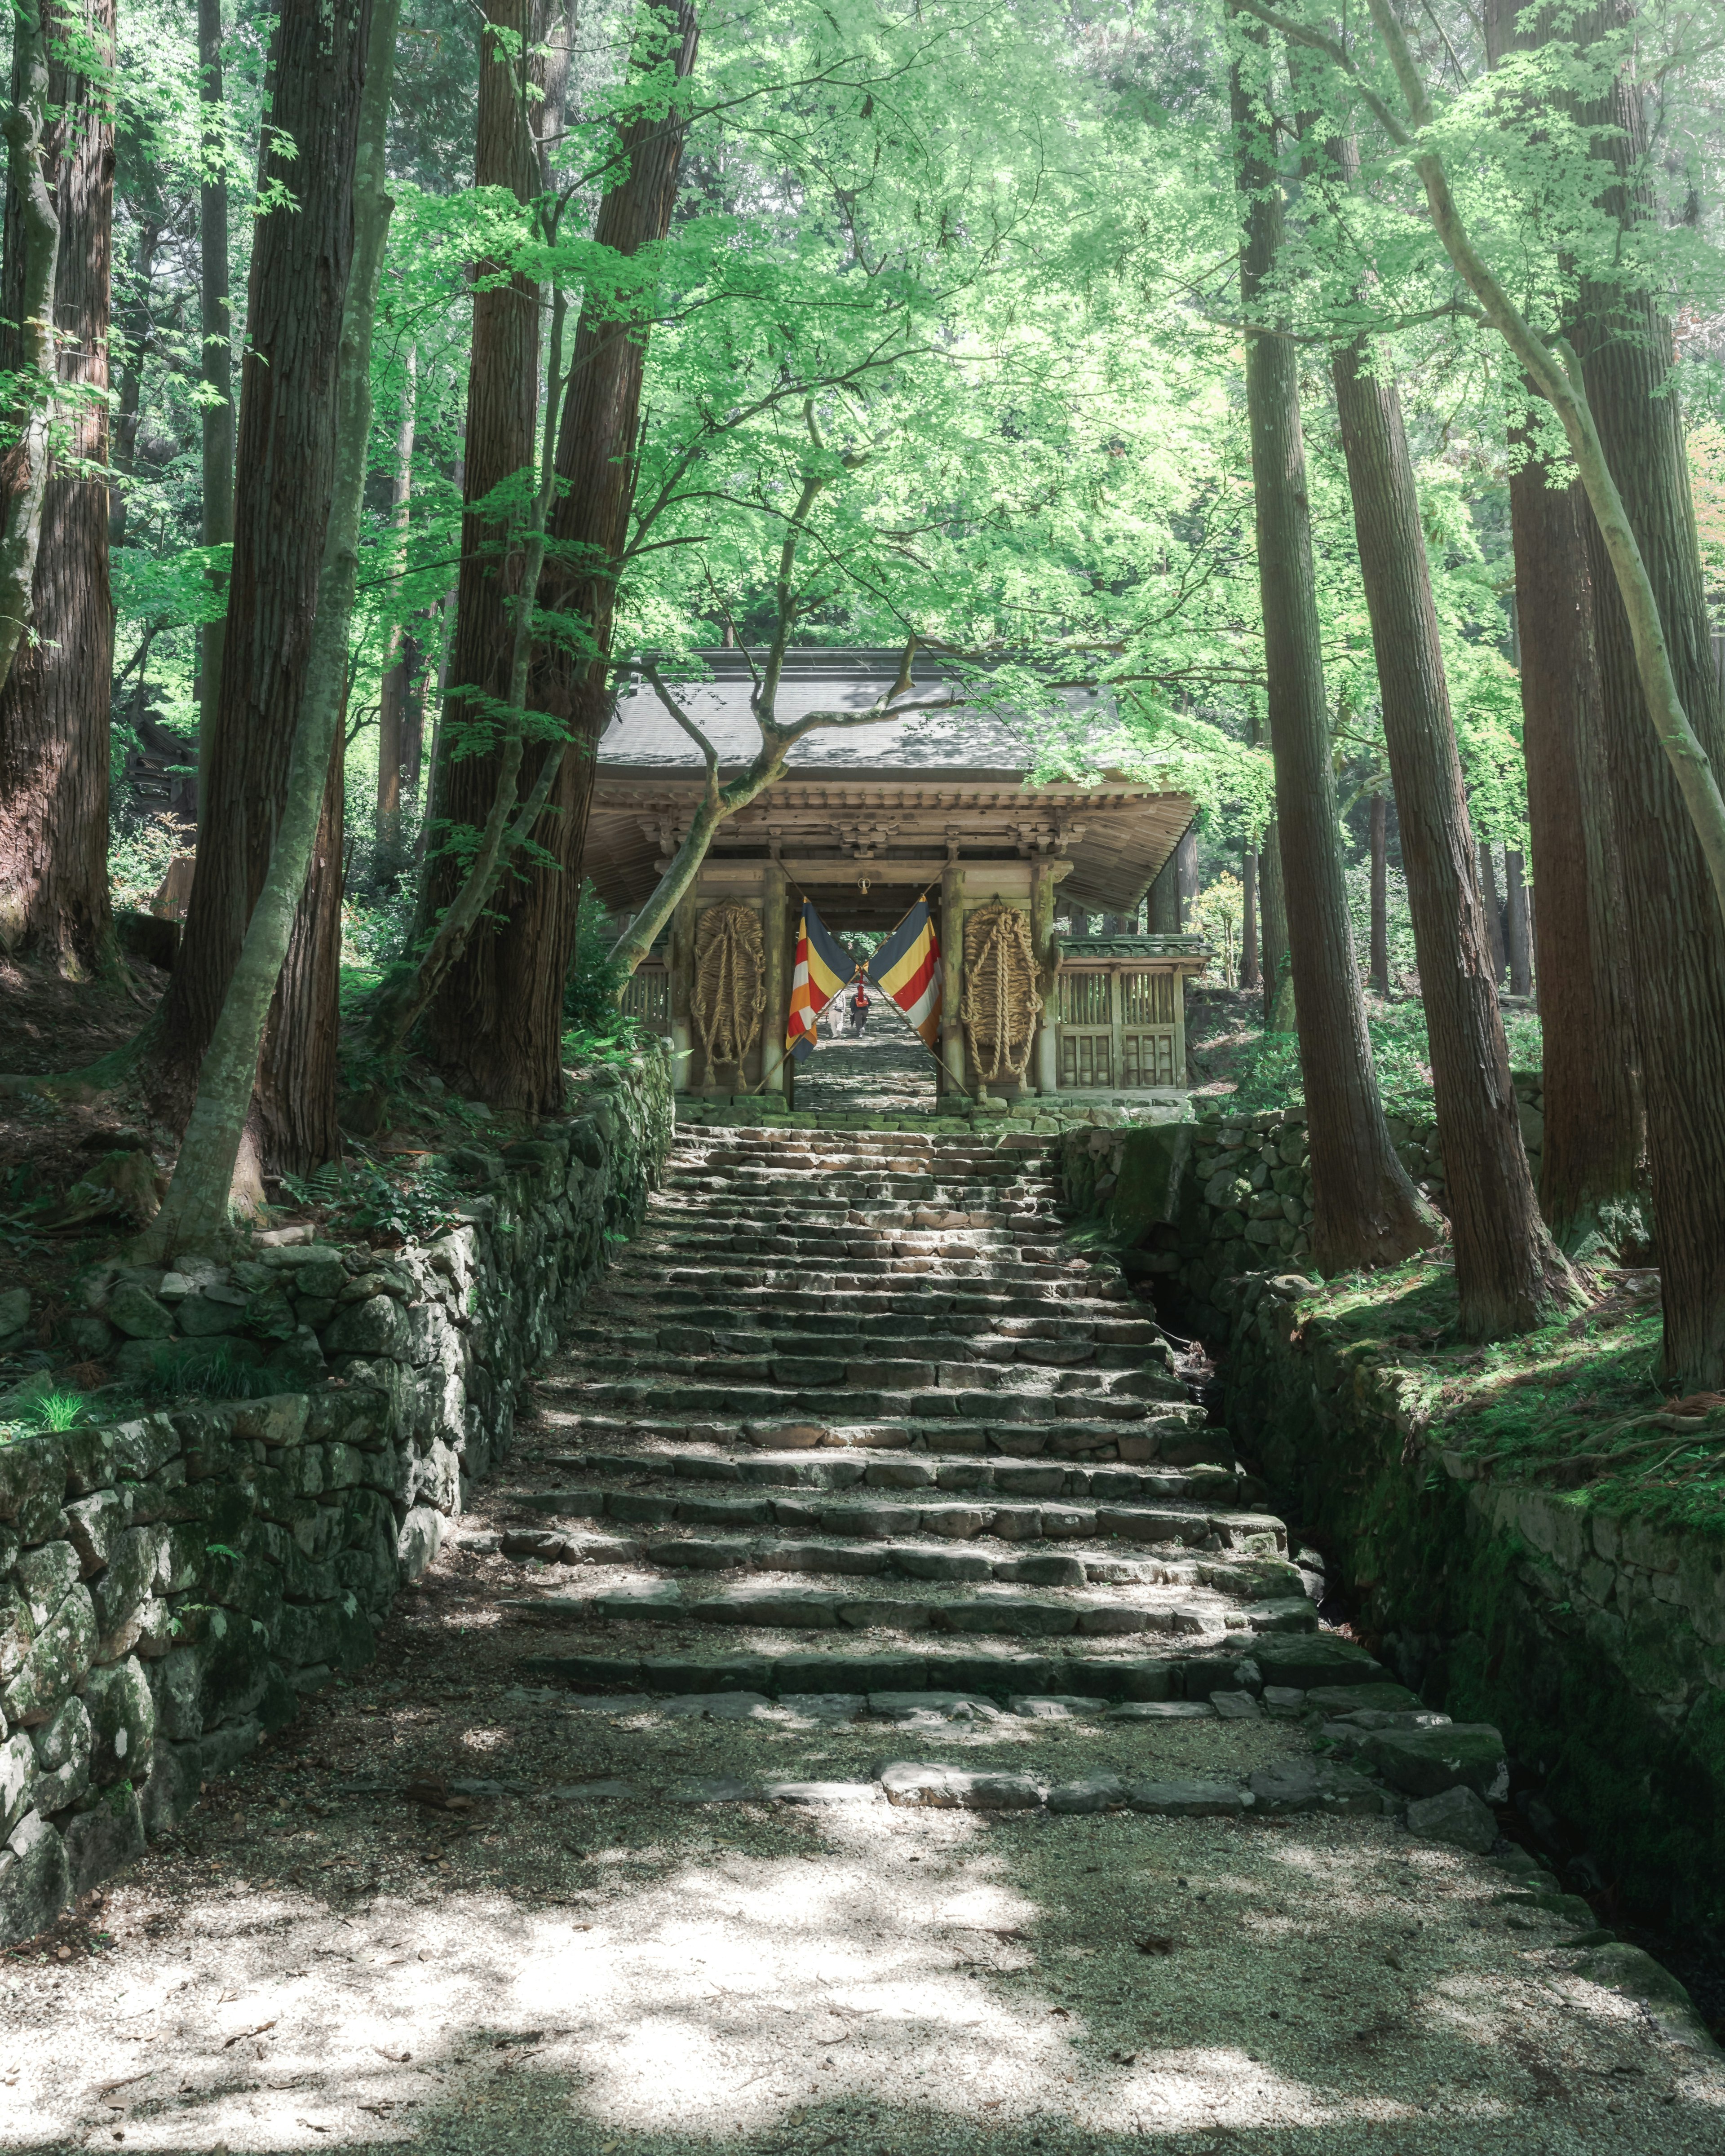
(860, 1001)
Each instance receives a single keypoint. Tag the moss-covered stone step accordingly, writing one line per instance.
(926, 1512)
(837, 1664)
(950, 1544)
(1133, 1502)
(907, 1604)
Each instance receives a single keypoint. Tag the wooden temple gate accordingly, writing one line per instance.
(865, 821)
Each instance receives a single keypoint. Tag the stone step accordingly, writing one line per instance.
(742, 1348)
(770, 1330)
(841, 1666)
(950, 1545)
(1171, 1495)
(882, 1275)
(1200, 1452)
(1014, 1418)
(779, 1603)
(972, 1518)
(1077, 1370)
(627, 1286)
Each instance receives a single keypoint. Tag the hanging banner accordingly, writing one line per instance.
(908, 965)
(824, 966)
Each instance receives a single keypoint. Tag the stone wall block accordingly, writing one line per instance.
(19, 1776)
(58, 1657)
(35, 1879)
(122, 1715)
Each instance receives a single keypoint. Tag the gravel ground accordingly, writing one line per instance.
(335, 1954)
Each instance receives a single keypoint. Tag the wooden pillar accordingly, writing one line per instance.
(1180, 1026)
(779, 974)
(953, 971)
(1042, 901)
(682, 991)
(792, 923)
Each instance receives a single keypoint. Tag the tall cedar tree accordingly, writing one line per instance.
(1677, 935)
(216, 324)
(53, 708)
(1592, 1089)
(300, 262)
(498, 1021)
(502, 403)
(1509, 1276)
(1378, 959)
(1366, 1211)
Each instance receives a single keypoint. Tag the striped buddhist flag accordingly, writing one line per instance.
(824, 966)
(908, 965)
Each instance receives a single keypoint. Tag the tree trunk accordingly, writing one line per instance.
(1277, 980)
(53, 708)
(502, 404)
(1378, 970)
(1509, 1276)
(1677, 935)
(135, 341)
(1593, 1108)
(1186, 873)
(1366, 1210)
(1251, 978)
(1518, 936)
(1494, 914)
(30, 263)
(195, 1215)
(499, 1018)
(216, 323)
(396, 688)
(1164, 898)
(300, 265)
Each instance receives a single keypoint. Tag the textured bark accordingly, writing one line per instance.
(1366, 1211)
(499, 1019)
(1378, 964)
(136, 335)
(1251, 977)
(1493, 914)
(1164, 900)
(502, 403)
(1509, 1276)
(1278, 987)
(1677, 936)
(53, 708)
(302, 260)
(28, 264)
(395, 690)
(1593, 1106)
(1517, 937)
(1186, 873)
(195, 1214)
(215, 326)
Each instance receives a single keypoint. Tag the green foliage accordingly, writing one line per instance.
(204, 1369)
(594, 980)
(411, 1201)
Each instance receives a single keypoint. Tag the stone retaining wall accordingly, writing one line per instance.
(1202, 1203)
(1595, 1640)
(170, 1583)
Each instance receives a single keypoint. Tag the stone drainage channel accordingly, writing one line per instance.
(875, 1710)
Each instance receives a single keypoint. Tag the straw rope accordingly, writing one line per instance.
(729, 984)
(1000, 1005)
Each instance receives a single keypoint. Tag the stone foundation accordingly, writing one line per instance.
(173, 1582)
(1595, 1639)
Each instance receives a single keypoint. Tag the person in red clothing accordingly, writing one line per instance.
(860, 1001)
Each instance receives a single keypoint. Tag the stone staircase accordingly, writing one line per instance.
(851, 1416)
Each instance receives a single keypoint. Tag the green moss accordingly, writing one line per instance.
(1575, 1406)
